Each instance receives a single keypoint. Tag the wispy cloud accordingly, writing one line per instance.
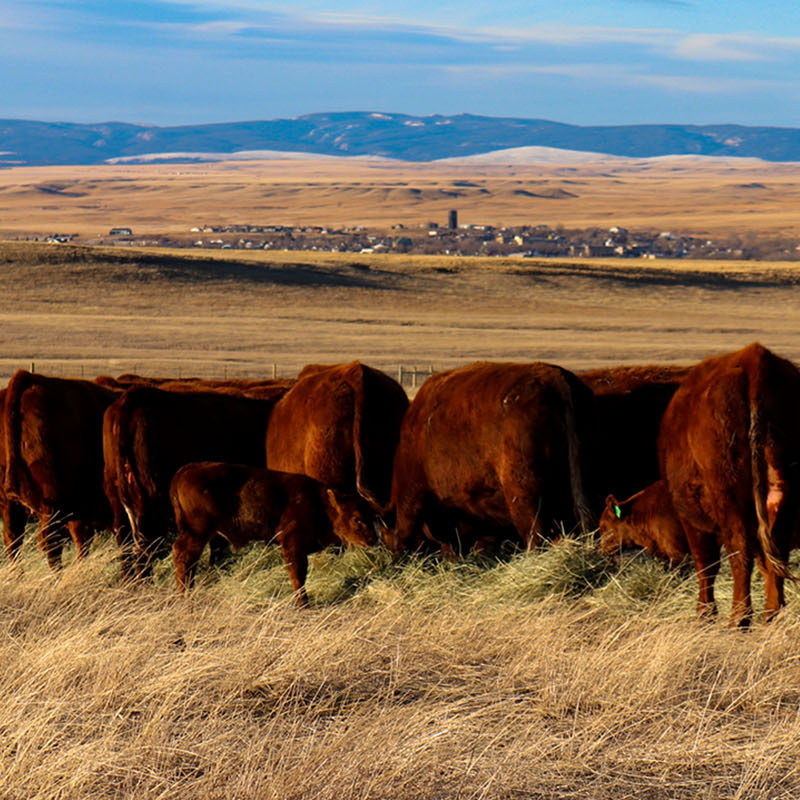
(617, 75)
(368, 54)
(734, 47)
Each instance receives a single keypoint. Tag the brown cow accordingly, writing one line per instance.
(13, 513)
(497, 443)
(339, 424)
(53, 442)
(645, 520)
(150, 432)
(244, 503)
(629, 405)
(729, 450)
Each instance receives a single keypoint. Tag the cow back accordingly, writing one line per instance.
(340, 425)
(53, 438)
(473, 435)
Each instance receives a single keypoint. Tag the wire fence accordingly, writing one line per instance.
(410, 377)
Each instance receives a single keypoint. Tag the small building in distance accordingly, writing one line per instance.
(121, 232)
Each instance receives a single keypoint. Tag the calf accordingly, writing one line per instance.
(244, 503)
(648, 520)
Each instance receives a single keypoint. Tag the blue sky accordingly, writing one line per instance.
(583, 62)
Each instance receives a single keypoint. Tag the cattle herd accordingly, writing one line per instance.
(707, 456)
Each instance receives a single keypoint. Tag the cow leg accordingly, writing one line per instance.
(219, 551)
(124, 536)
(773, 590)
(148, 545)
(81, 535)
(407, 530)
(705, 551)
(14, 519)
(526, 517)
(186, 552)
(295, 555)
(741, 567)
(50, 538)
(783, 521)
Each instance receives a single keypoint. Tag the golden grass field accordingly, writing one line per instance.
(691, 195)
(554, 674)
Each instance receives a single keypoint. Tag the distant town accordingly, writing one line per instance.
(452, 238)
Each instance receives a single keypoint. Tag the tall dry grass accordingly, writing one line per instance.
(541, 675)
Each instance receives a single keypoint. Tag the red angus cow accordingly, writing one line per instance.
(629, 405)
(53, 442)
(151, 432)
(497, 443)
(645, 520)
(729, 451)
(244, 503)
(339, 424)
(14, 515)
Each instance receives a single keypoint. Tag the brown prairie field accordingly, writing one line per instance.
(548, 674)
(688, 194)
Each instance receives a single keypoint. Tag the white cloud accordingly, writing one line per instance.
(733, 47)
(600, 73)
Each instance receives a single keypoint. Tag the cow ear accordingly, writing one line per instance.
(333, 500)
(613, 505)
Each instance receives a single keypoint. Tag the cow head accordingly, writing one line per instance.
(396, 544)
(350, 517)
(614, 528)
(646, 519)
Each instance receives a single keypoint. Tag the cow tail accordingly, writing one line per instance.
(14, 462)
(758, 440)
(357, 381)
(129, 482)
(580, 501)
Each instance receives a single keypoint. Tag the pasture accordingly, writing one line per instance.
(715, 196)
(550, 674)
(556, 673)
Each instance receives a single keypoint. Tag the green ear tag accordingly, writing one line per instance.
(617, 511)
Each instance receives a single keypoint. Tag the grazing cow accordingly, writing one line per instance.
(645, 520)
(629, 405)
(13, 513)
(150, 432)
(498, 443)
(729, 450)
(339, 424)
(54, 452)
(244, 503)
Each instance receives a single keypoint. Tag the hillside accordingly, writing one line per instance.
(393, 136)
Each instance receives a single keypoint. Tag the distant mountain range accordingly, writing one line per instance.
(395, 136)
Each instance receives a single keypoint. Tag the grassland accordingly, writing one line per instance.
(550, 674)
(79, 311)
(541, 675)
(702, 196)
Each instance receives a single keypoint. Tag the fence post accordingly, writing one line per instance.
(400, 374)
(274, 371)
(414, 377)
(33, 367)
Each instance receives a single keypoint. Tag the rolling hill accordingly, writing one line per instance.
(391, 136)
